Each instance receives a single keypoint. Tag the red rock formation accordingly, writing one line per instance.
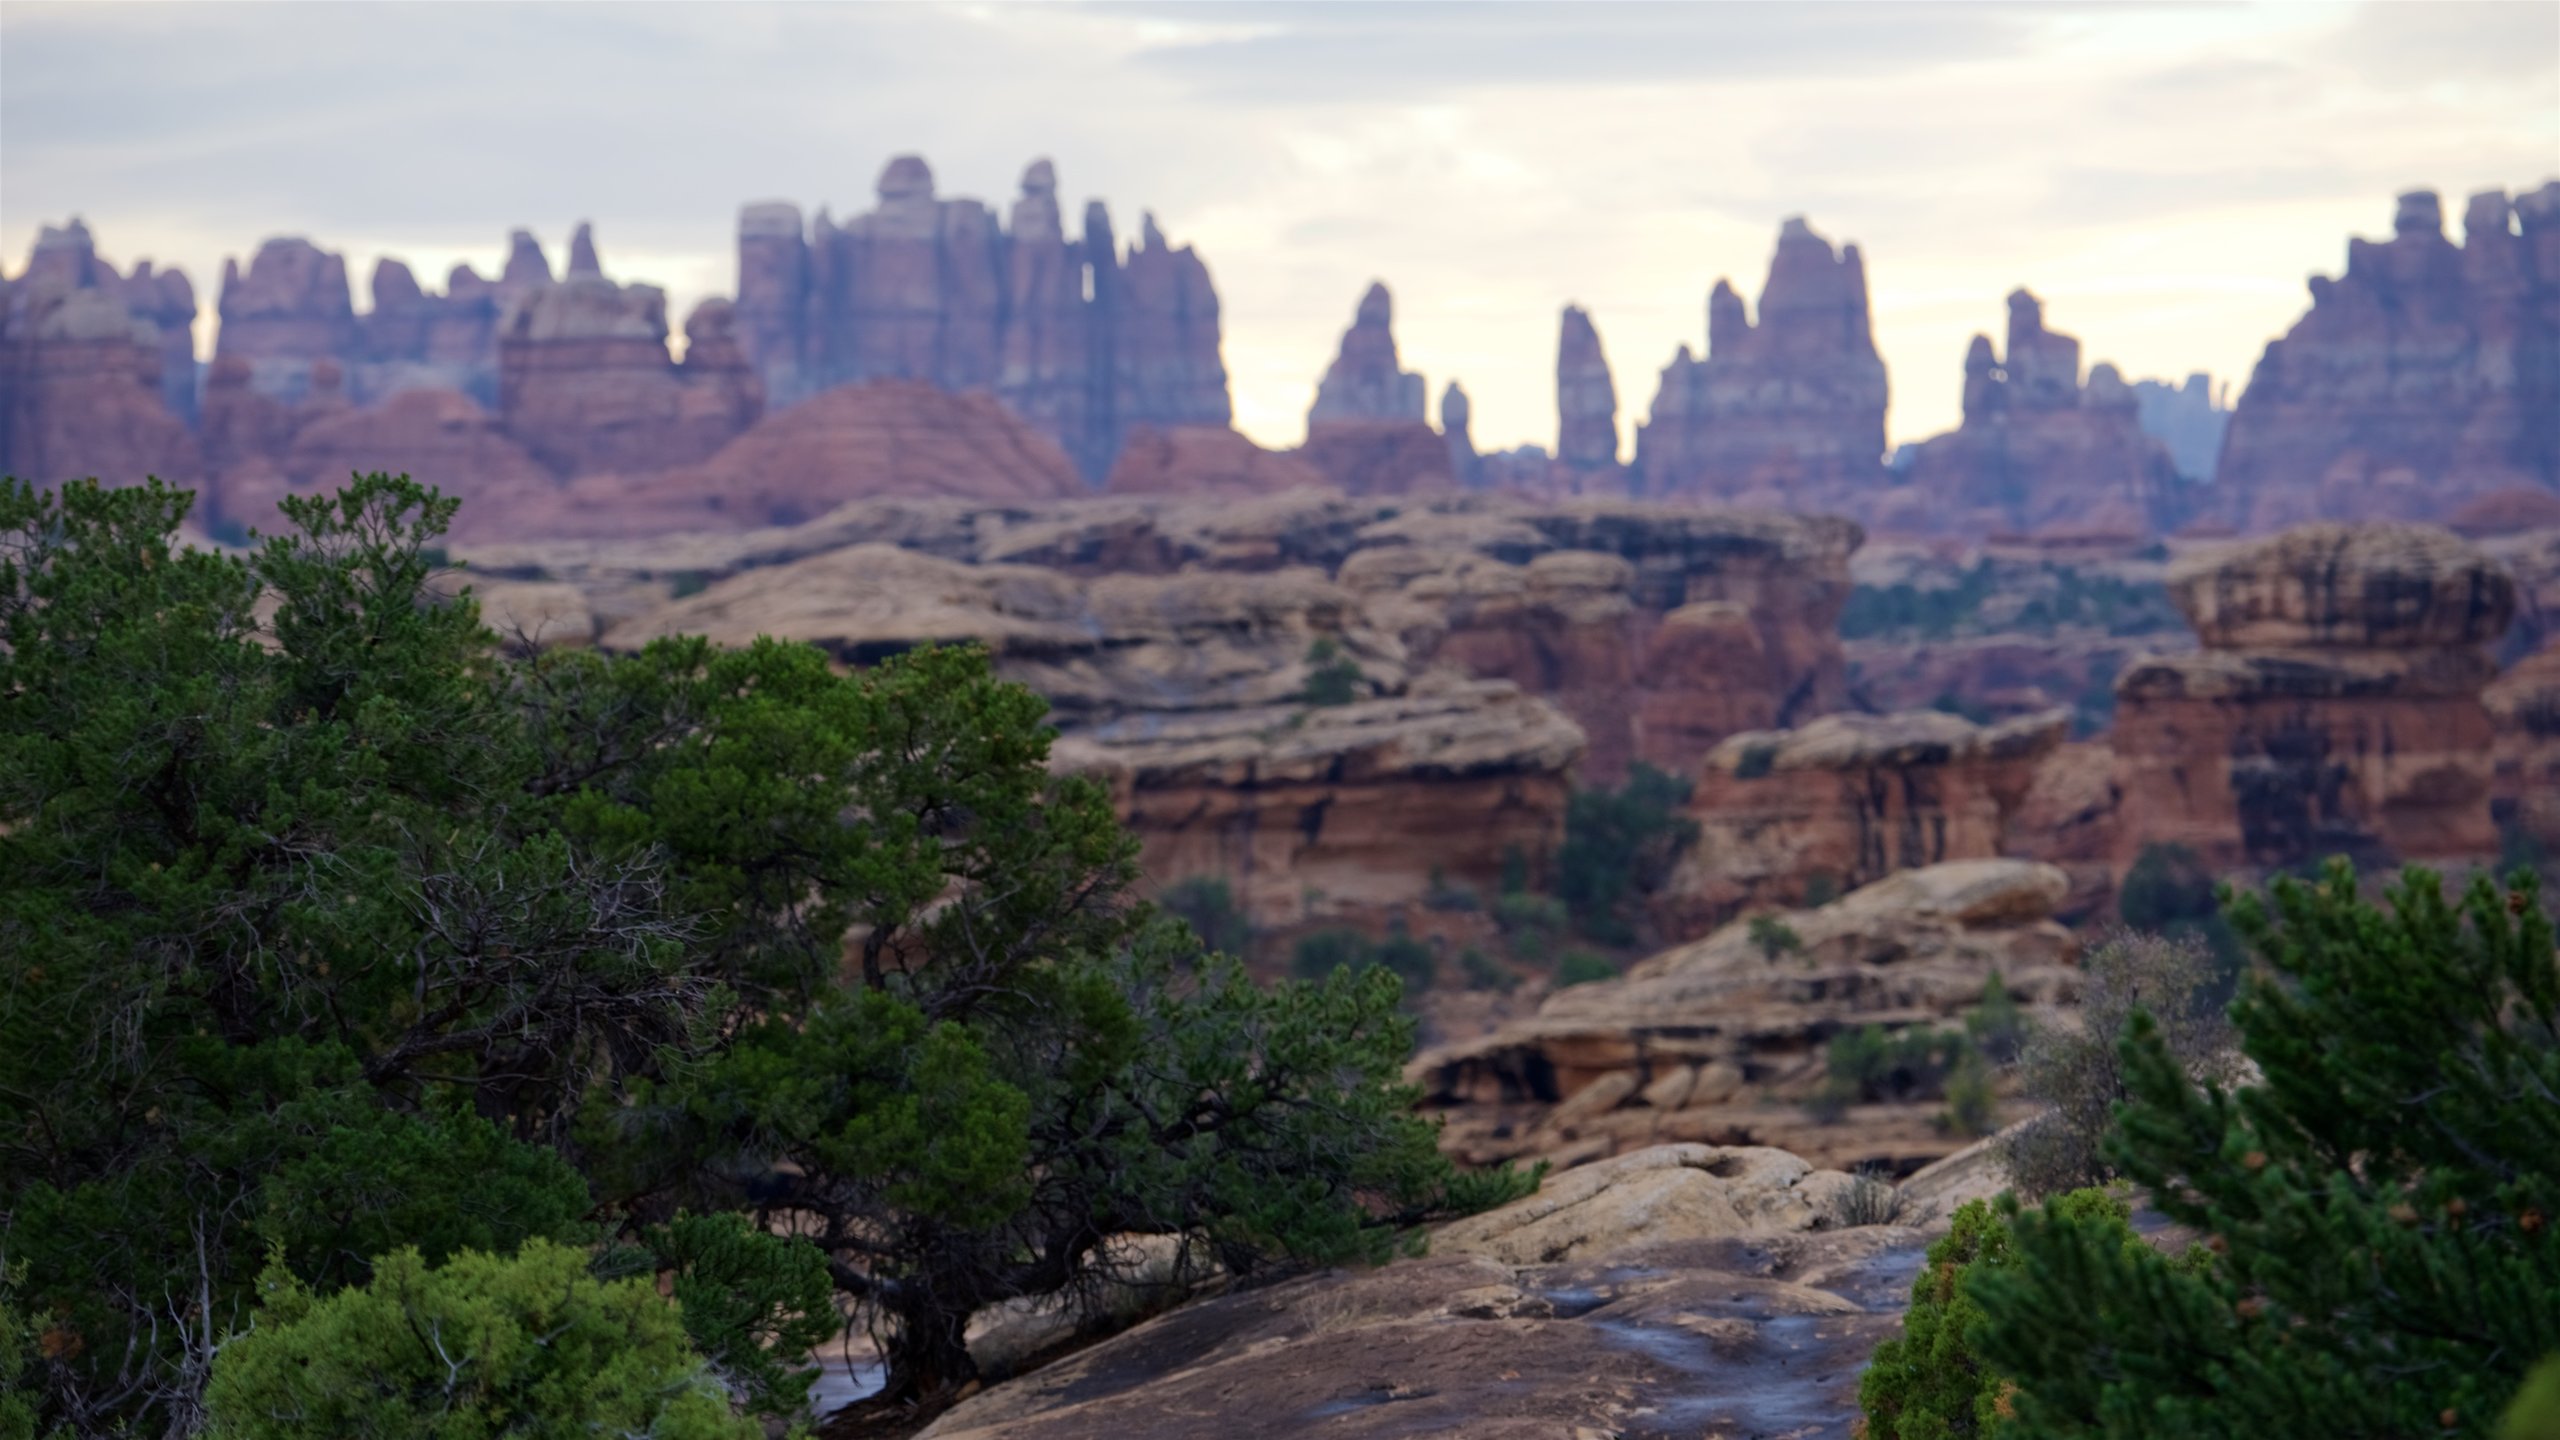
(1852, 798)
(886, 438)
(82, 375)
(289, 310)
(1454, 414)
(2424, 377)
(1204, 460)
(1586, 401)
(2524, 712)
(2335, 706)
(585, 383)
(1083, 343)
(2037, 450)
(1364, 381)
(1378, 457)
(438, 437)
(1792, 406)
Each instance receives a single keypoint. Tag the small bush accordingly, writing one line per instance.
(1820, 889)
(1450, 899)
(1871, 1199)
(1209, 907)
(2080, 1074)
(1774, 937)
(1928, 1383)
(1755, 761)
(1520, 912)
(1332, 679)
(1620, 845)
(1319, 954)
(547, 1349)
(1972, 1109)
(1581, 967)
(1412, 961)
(1515, 871)
(687, 584)
(2168, 891)
(1484, 974)
(1996, 1026)
(1870, 1064)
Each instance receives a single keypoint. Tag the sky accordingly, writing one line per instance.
(2165, 177)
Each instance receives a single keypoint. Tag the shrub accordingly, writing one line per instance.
(1208, 906)
(1869, 1063)
(481, 1345)
(1971, 1107)
(1821, 887)
(2079, 1073)
(1412, 961)
(1450, 899)
(1774, 937)
(2167, 891)
(1871, 1198)
(1620, 845)
(1581, 967)
(1930, 1382)
(1484, 974)
(1332, 679)
(687, 584)
(2380, 1197)
(1322, 952)
(1996, 1026)
(1519, 914)
(1755, 761)
(1515, 871)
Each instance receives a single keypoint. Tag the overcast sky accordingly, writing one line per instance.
(2165, 177)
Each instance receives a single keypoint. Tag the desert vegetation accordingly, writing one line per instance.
(2370, 1201)
(659, 1010)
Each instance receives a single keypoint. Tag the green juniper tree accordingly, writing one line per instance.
(2379, 1202)
(339, 932)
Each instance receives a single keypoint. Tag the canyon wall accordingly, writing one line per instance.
(2335, 707)
(91, 363)
(2425, 377)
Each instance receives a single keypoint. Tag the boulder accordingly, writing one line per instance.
(1663, 1193)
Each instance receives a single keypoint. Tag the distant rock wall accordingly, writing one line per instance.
(92, 368)
(1788, 409)
(2425, 377)
(1084, 342)
(2038, 449)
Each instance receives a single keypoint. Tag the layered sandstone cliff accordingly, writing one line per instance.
(1788, 408)
(1085, 342)
(2335, 706)
(1709, 1041)
(1846, 800)
(1184, 693)
(2426, 376)
(2039, 449)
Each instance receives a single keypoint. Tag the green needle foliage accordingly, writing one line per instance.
(2379, 1203)
(343, 935)
(529, 1345)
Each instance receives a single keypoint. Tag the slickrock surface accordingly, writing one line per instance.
(1851, 798)
(2421, 379)
(1690, 1290)
(2335, 707)
(1716, 1040)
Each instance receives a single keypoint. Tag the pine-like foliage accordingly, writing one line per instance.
(2378, 1204)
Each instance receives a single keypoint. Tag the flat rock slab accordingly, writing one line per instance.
(1748, 1336)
